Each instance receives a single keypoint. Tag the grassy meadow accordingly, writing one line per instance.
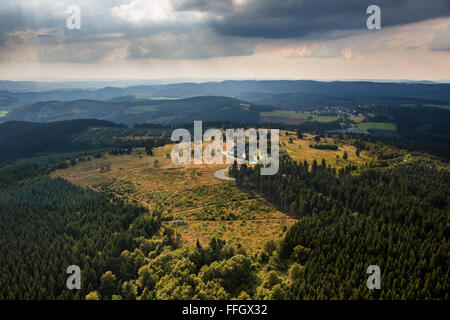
(388, 126)
(210, 207)
(300, 150)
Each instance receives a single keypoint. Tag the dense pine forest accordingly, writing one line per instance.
(396, 218)
(19, 139)
(48, 224)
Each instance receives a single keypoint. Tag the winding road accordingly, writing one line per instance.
(220, 174)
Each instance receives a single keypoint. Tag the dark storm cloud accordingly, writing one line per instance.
(102, 32)
(216, 6)
(218, 33)
(309, 18)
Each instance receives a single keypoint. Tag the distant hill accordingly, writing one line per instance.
(128, 110)
(293, 94)
(19, 139)
(6, 101)
(308, 101)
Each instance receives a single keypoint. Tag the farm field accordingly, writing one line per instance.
(284, 114)
(389, 126)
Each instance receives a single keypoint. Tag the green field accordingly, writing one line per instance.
(283, 114)
(441, 106)
(389, 126)
(140, 109)
(3, 113)
(164, 98)
(324, 118)
(298, 115)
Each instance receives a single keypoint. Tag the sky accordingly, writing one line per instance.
(224, 39)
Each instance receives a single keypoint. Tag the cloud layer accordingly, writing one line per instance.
(115, 31)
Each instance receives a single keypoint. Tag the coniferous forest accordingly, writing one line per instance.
(386, 212)
(395, 218)
(49, 223)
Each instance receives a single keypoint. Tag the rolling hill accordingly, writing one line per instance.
(294, 94)
(131, 110)
(19, 139)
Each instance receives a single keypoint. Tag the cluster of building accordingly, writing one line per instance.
(335, 111)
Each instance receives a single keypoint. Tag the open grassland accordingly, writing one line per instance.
(300, 150)
(388, 126)
(210, 207)
(251, 234)
(323, 118)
